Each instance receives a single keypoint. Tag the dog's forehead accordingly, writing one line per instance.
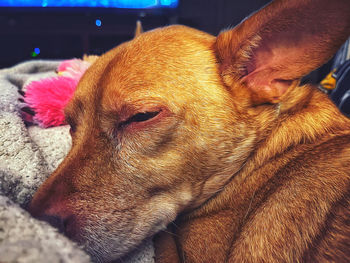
(156, 63)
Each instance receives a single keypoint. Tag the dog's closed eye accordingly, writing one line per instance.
(139, 117)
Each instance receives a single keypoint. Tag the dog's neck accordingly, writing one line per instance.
(282, 136)
(304, 105)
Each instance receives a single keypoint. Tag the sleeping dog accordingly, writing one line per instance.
(215, 133)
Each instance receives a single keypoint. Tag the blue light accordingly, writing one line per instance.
(165, 2)
(37, 50)
(88, 3)
(98, 22)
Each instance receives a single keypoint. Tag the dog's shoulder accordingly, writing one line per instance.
(302, 204)
(333, 241)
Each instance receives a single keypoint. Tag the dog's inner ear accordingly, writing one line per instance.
(272, 49)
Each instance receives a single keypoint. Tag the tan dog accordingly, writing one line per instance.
(214, 132)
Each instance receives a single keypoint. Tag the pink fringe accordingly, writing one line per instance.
(48, 97)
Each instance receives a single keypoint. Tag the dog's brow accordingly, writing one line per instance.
(116, 114)
(108, 116)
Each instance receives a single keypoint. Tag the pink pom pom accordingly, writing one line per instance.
(48, 97)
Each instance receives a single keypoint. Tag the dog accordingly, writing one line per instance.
(211, 143)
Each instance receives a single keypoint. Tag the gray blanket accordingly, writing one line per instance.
(27, 157)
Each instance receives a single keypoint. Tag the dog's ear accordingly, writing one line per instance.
(276, 46)
(139, 29)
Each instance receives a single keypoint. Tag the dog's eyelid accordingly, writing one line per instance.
(139, 117)
(143, 116)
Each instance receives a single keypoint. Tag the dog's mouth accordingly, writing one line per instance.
(116, 231)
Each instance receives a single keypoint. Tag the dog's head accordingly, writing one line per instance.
(161, 123)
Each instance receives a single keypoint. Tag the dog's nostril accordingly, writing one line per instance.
(67, 225)
(55, 221)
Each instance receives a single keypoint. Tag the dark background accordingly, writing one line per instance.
(70, 32)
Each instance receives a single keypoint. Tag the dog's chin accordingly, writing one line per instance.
(99, 256)
(102, 252)
(108, 246)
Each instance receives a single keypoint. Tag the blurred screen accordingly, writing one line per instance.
(91, 3)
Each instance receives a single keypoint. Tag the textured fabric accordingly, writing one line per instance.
(27, 157)
(342, 55)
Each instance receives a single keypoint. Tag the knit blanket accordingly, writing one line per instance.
(28, 155)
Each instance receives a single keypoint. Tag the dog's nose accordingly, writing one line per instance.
(50, 204)
(56, 214)
(63, 224)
